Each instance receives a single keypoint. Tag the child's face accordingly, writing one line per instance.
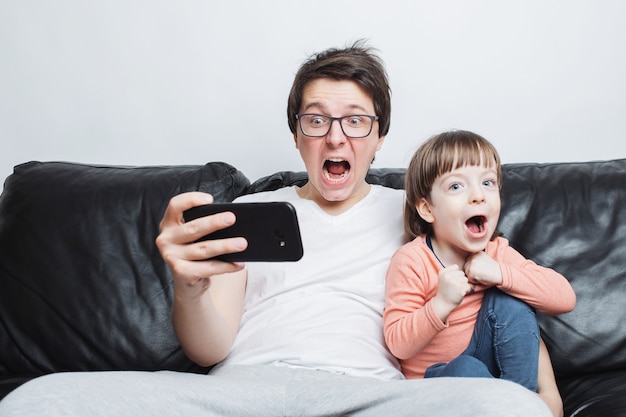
(464, 209)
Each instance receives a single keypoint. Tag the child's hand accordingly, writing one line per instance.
(453, 286)
(481, 269)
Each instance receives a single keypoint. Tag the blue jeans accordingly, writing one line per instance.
(505, 344)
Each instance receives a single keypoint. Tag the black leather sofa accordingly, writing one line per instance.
(83, 287)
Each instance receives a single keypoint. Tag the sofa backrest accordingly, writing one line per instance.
(75, 238)
(572, 217)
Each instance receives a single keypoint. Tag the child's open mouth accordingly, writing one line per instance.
(476, 226)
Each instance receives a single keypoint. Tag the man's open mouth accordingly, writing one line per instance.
(336, 169)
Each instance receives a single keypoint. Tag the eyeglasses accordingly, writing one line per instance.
(353, 126)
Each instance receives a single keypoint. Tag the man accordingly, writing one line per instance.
(296, 338)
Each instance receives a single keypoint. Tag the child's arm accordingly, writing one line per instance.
(453, 286)
(411, 319)
(542, 288)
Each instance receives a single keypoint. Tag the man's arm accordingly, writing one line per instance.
(208, 294)
(206, 324)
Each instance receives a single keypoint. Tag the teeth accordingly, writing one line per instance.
(335, 179)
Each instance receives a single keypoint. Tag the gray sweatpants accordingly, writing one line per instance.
(264, 391)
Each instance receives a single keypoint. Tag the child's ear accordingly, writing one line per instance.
(424, 210)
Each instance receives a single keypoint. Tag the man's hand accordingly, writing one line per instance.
(190, 261)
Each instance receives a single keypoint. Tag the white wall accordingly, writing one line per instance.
(134, 82)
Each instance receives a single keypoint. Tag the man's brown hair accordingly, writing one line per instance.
(356, 63)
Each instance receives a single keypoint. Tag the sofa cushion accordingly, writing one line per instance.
(82, 284)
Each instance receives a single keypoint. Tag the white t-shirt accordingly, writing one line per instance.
(325, 311)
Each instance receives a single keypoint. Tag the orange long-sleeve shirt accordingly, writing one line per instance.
(414, 333)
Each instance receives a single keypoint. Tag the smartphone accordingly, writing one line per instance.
(271, 229)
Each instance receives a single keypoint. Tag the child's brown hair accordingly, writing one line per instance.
(441, 154)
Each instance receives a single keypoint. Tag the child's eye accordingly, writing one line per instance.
(455, 186)
(489, 183)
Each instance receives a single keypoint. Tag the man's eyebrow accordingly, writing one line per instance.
(324, 109)
(314, 104)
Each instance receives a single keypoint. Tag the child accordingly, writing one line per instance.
(460, 300)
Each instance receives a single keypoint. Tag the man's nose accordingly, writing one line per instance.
(335, 134)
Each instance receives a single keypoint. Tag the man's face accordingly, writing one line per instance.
(336, 164)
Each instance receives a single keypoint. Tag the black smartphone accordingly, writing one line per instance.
(271, 229)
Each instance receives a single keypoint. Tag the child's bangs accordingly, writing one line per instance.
(463, 151)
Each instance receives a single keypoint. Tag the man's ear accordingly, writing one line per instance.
(295, 139)
(424, 210)
(381, 140)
